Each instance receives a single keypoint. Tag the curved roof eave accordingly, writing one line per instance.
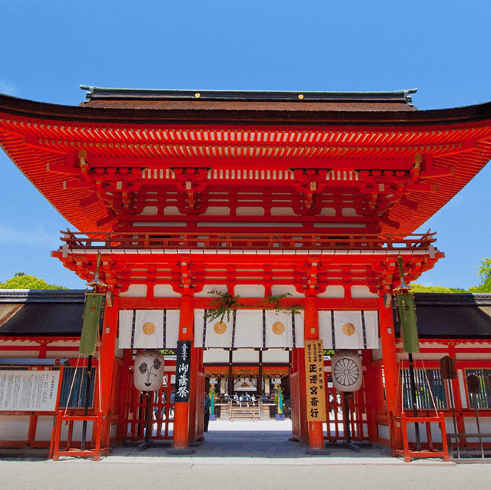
(257, 113)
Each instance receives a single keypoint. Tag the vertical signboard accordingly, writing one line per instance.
(183, 368)
(316, 389)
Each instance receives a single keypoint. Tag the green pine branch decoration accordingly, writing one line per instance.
(222, 306)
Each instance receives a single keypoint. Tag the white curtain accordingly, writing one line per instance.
(249, 329)
(214, 336)
(353, 329)
(144, 329)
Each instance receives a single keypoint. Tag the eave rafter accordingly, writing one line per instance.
(124, 160)
(188, 263)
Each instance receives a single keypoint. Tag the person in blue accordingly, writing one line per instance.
(207, 411)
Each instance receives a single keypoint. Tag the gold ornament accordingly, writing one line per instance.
(348, 329)
(149, 328)
(220, 328)
(278, 328)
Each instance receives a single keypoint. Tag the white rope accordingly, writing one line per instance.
(71, 387)
(429, 387)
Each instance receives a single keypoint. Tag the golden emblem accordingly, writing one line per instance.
(148, 328)
(220, 328)
(278, 328)
(348, 329)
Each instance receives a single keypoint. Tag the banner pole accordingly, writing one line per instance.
(414, 395)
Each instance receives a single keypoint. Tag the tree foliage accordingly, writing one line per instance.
(25, 281)
(484, 272)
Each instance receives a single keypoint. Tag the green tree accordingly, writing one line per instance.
(484, 272)
(25, 281)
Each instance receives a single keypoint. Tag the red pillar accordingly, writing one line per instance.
(457, 395)
(372, 387)
(106, 376)
(181, 409)
(316, 433)
(391, 369)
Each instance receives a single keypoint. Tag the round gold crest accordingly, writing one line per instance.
(348, 329)
(278, 328)
(148, 328)
(220, 328)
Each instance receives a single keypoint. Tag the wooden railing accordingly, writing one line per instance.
(407, 453)
(245, 241)
(69, 450)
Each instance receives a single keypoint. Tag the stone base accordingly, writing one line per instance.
(280, 416)
(343, 445)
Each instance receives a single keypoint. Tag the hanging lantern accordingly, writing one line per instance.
(149, 370)
(346, 371)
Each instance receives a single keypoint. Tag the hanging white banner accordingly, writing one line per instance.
(349, 329)
(325, 328)
(148, 329)
(348, 332)
(212, 333)
(279, 329)
(249, 329)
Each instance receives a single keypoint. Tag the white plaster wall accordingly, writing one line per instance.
(471, 427)
(15, 427)
(135, 291)
(250, 211)
(436, 434)
(217, 211)
(43, 428)
(280, 289)
(172, 211)
(149, 211)
(333, 292)
(362, 292)
(276, 211)
(165, 291)
(249, 291)
(205, 293)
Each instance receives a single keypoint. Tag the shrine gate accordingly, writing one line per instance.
(288, 208)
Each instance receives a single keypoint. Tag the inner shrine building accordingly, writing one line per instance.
(287, 210)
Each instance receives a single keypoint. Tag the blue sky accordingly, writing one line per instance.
(50, 47)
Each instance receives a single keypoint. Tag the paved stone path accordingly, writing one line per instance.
(243, 456)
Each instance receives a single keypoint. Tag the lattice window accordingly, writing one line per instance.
(77, 397)
(482, 399)
(431, 381)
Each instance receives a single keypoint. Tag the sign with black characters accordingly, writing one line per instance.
(315, 382)
(183, 368)
(29, 390)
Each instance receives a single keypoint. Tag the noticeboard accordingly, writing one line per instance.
(315, 383)
(28, 391)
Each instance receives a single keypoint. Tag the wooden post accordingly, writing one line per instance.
(260, 376)
(371, 392)
(391, 370)
(181, 409)
(230, 374)
(316, 433)
(106, 365)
